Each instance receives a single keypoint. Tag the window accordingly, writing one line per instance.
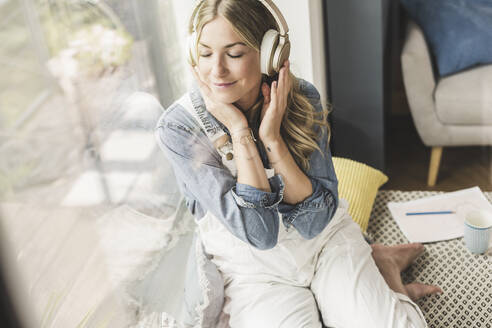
(87, 198)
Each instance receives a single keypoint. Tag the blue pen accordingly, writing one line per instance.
(430, 213)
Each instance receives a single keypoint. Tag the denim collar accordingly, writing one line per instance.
(212, 125)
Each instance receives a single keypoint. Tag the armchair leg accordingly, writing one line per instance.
(434, 165)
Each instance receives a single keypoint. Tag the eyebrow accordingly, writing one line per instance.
(227, 46)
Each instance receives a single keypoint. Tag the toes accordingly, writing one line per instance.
(430, 289)
(418, 246)
(435, 290)
(417, 290)
(414, 246)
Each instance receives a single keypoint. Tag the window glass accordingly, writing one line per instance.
(89, 204)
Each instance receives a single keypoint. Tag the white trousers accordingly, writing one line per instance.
(290, 285)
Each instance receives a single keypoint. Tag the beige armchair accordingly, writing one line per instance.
(455, 110)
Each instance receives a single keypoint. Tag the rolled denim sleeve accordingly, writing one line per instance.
(249, 196)
(199, 167)
(314, 213)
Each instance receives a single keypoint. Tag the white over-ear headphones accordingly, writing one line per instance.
(275, 45)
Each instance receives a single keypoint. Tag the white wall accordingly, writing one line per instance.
(306, 35)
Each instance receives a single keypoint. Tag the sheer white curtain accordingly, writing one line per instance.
(89, 207)
(97, 55)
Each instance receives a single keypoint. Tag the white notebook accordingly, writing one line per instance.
(437, 227)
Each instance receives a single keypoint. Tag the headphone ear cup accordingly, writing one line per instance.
(267, 51)
(281, 54)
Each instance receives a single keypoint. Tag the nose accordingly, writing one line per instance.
(219, 68)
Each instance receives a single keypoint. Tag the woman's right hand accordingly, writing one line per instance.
(227, 114)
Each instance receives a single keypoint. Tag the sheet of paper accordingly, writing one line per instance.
(437, 227)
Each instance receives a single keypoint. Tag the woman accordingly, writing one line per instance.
(286, 247)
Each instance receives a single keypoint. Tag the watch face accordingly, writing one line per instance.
(226, 149)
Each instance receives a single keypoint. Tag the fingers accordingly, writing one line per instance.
(201, 85)
(283, 85)
(273, 92)
(265, 90)
(288, 80)
(195, 74)
(284, 78)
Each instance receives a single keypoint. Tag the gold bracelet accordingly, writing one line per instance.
(245, 139)
(281, 158)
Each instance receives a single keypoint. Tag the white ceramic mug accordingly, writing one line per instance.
(478, 226)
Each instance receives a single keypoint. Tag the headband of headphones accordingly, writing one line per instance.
(279, 18)
(269, 5)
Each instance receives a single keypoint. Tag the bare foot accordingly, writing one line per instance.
(402, 255)
(417, 290)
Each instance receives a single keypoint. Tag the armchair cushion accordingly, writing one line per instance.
(459, 32)
(465, 98)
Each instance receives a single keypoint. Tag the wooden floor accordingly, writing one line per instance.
(407, 161)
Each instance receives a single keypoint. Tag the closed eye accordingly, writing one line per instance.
(231, 56)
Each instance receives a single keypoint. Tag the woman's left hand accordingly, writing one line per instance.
(274, 105)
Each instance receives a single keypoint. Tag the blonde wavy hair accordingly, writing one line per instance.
(301, 126)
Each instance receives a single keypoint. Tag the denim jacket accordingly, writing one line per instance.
(250, 214)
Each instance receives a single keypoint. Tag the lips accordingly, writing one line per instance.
(224, 84)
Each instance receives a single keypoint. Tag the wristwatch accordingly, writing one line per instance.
(226, 150)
